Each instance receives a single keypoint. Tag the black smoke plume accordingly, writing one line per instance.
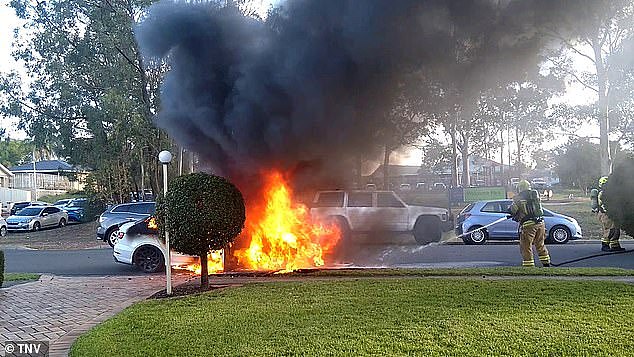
(310, 86)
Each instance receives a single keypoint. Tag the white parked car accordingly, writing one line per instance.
(371, 211)
(139, 245)
(3, 227)
(34, 218)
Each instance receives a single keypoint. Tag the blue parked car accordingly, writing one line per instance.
(76, 209)
(559, 228)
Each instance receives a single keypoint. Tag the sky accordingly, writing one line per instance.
(575, 94)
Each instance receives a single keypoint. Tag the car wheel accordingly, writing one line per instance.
(3, 231)
(62, 223)
(427, 229)
(112, 237)
(36, 226)
(559, 234)
(149, 259)
(476, 235)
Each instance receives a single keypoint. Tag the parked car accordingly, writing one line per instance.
(559, 228)
(61, 203)
(76, 209)
(405, 187)
(539, 184)
(364, 211)
(3, 227)
(17, 206)
(110, 220)
(34, 218)
(139, 245)
(439, 186)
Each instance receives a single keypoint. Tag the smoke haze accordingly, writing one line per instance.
(310, 86)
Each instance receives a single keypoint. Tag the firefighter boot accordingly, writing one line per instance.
(605, 247)
(616, 248)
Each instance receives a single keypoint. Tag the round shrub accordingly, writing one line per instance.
(202, 212)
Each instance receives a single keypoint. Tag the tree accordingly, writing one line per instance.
(607, 30)
(577, 163)
(91, 96)
(619, 195)
(202, 213)
(15, 152)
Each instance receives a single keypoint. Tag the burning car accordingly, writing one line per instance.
(365, 211)
(139, 245)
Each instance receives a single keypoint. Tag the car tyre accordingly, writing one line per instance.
(427, 229)
(3, 231)
(36, 226)
(476, 237)
(62, 223)
(559, 235)
(112, 237)
(149, 259)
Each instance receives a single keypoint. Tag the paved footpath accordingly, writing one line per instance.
(59, 309)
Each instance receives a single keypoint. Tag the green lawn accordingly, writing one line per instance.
(497, 271)
(382, 317)
(20, 276)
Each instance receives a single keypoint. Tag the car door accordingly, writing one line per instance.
(493, 211)
(360, 211)
(48, 217)
(391, 214)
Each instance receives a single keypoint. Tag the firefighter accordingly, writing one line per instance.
(528, 212)
(611, 232)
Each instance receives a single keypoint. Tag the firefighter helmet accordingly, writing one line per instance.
(603, 180)
(523, 186)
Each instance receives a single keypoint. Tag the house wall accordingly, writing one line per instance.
(24, 180)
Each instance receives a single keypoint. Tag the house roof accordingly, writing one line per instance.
(4, 171)
(397, 170)
(45, 166)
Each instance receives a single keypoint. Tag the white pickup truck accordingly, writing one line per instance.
(367, 211)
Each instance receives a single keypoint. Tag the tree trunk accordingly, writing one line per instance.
(386, 166)
(454, 157)
(604, 125)
(502, 156)
(518, 142)
(466, 176)
(357, 184)
(204, 272)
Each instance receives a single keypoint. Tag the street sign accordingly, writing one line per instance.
(472, 194)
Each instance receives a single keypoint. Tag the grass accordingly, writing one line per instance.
(426, 317)
(20, 276)
(498, 271)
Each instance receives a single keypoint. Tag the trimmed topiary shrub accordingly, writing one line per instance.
(1, 268)
(618, 195)
(205, 212)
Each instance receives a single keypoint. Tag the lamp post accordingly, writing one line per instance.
(165, 157)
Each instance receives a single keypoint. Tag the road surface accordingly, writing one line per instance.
(100, 262)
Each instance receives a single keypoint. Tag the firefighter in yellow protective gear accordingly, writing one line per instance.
(611, 232)
(528, 212)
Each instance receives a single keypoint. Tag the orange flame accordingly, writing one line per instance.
(283, 237)
(214, 263)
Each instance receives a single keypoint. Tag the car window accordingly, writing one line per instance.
(387, 199)
(329, 199)
(29, 212)
(50, 210)
(121, 208)
(360, 199)
(497, 207)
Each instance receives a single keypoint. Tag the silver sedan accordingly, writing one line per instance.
(34, 218)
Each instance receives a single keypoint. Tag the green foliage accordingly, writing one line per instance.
(618, 195)
(91, 95)
(205, 212)
(63, 196)
(1, 267)
(578, 163)
(15, 152)
(378, 317)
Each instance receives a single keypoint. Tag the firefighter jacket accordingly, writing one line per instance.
(527, 208)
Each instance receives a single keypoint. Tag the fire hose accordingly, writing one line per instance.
(553, 264)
